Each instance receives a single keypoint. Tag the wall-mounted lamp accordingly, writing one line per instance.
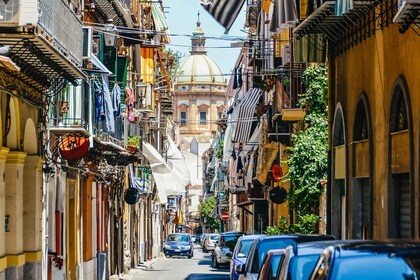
(110, 33)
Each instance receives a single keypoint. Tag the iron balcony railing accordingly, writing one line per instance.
(63, 26)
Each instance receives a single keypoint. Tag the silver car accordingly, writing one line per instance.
(210, 242)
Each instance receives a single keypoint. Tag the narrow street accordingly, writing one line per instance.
(177, 268)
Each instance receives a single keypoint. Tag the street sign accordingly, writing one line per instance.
(225, 216)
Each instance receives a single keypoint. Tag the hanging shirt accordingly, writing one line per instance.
(116, 100)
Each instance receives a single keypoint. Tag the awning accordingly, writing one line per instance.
(147, 65)
(100, 67)
(172, 177)
(223, 11)
(245, 116)
(324, 21)
(160, 22)
(110, 9)
(266, 155)
(284, 14)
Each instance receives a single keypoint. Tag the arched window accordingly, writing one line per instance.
(361, 123)
(401, 185)
(362, 189)
(399, 118)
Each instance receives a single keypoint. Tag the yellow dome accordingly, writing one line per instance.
(199, 68)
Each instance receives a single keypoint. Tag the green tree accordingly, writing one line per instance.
(206, 208)
(307, 162)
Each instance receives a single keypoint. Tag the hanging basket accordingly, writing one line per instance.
(74, 147)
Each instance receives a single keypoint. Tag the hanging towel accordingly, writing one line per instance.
(109, 113)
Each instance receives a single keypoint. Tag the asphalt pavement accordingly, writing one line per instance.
(178, 268)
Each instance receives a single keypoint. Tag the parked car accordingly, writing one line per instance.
(202, 237)
(178, 244)
(210, 242)
(263, 244)
(193, 238)
(224, 248)
(240, 253)
(270, 265)
(369, 260)
(300, 259)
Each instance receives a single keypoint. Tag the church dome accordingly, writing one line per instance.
(199, 68)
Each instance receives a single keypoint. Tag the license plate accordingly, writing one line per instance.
(177, 250)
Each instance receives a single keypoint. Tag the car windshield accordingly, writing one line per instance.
(274, 264)
(300, 267)
(214, 237)
(230, 241)
(178, 238)
(262, 250)
(376, 267)
(244, 247)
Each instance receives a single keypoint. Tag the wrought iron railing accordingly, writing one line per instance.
(63, 26)
(68, 123)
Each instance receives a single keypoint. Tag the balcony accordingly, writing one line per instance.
(37, 32)
(68, 126)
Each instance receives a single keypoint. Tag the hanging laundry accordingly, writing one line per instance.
(109, 113)
(235, 79)
(116, 100)
(129, 101)
(98, 100)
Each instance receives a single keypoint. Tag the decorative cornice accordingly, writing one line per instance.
(3, 153)
(16, 157)
(15, 260)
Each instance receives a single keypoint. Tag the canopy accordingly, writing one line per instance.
(171, 177)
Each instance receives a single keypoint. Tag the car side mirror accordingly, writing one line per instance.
(240, 268)
(229, 255)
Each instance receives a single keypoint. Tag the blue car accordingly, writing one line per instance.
(240, 253)
(369, 260)
(178, 244)
(300, 259)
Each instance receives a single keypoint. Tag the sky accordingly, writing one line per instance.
(181, 16)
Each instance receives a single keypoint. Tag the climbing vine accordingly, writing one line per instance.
(307, 162)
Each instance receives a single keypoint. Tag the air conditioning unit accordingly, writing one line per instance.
(285, 55)
(9, 12)
(87, 42)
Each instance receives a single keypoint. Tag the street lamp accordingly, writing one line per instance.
(141, 91)
(110, 33)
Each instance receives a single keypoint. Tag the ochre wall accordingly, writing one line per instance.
(372, 67)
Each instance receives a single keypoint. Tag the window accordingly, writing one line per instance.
(183, 118)
(219, 115)
(203, 118)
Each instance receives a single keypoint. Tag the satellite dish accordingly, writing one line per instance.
(277, 195)
(276, 172)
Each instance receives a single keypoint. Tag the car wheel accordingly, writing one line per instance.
(191, 255)
(205, 250)
(215, 262)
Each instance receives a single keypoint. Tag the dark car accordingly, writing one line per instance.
(224, 248)
(178, 244)
(300, 259)
(369, 260)
(263, 244)
(270, 265)
(240, 253)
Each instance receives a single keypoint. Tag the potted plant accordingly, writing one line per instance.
(133, 143)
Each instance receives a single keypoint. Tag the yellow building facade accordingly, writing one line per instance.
(374, 120)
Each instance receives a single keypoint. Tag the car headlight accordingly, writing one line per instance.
(167, 247)
(185, 247)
